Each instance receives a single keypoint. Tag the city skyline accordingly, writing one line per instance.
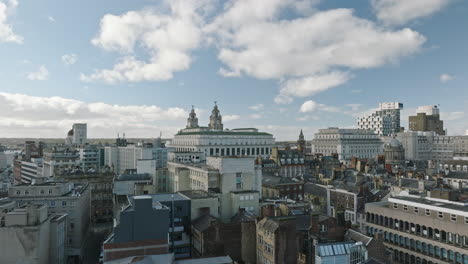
(110, 73)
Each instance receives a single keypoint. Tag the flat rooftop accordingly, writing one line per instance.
(163, 197)
(197, 194)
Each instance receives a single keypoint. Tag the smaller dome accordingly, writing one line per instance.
(395, 142)
(70, 133)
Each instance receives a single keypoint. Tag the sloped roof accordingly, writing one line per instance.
(409, 183)
(355, 236)
(204, 222)
(277, 180)
(315, 189)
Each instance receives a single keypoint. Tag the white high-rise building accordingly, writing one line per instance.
(122, 158)
(214, 141)
(80, 134)
(77, 135)
(385, 121)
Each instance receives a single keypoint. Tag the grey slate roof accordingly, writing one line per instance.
(409, 183)
(352, 235)
(457, 175)
(203, 222)
(277, 180)
(315, 189)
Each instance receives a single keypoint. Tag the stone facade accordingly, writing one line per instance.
(427, 118)
(63, 198)
(421, 230)
(347, 143)
(236, 181)
(216, 141)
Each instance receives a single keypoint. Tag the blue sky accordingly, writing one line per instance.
(279, 65)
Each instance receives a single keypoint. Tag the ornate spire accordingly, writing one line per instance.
(192, 120)
(301, 143)
(216, 121)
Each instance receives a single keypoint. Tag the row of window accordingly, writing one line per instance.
(428, 212)
(419, 230)
(26, 192)
(63, 203)
(239, 151)
(246, 197)
(421, 247)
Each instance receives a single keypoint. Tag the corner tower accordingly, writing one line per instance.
(301, 143)
(192, 120)
(216, 121)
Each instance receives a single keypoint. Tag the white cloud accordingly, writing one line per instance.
(446, 77)
(450, 116)
(228, 118)
(167, 38)
(41, 74)
(30, 116)
(312, 106)
(399, 12)
(6, 30)
(255, 39)
(69, 59)
(311, 85)
(256, 116)
(309, 106)
(256, 107)
(454, 122)
(51, 18)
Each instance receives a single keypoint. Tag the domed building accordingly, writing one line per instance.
(69, 138)
(394, 153)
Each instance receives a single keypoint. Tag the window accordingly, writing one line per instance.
(239, 181)
(428, 212)
(19, 192)
(26, 192)
(72, 226)
(405, 207)
(416, 209)
(52, 203)
(323, 228)
(64, 203)
(251, 197)
(50, 191)
(395, 206)
(466, 220)
(242, 198)
(453, 217)
(42, 191)
(440, 214)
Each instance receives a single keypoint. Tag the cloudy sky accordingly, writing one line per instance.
(280, 65)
